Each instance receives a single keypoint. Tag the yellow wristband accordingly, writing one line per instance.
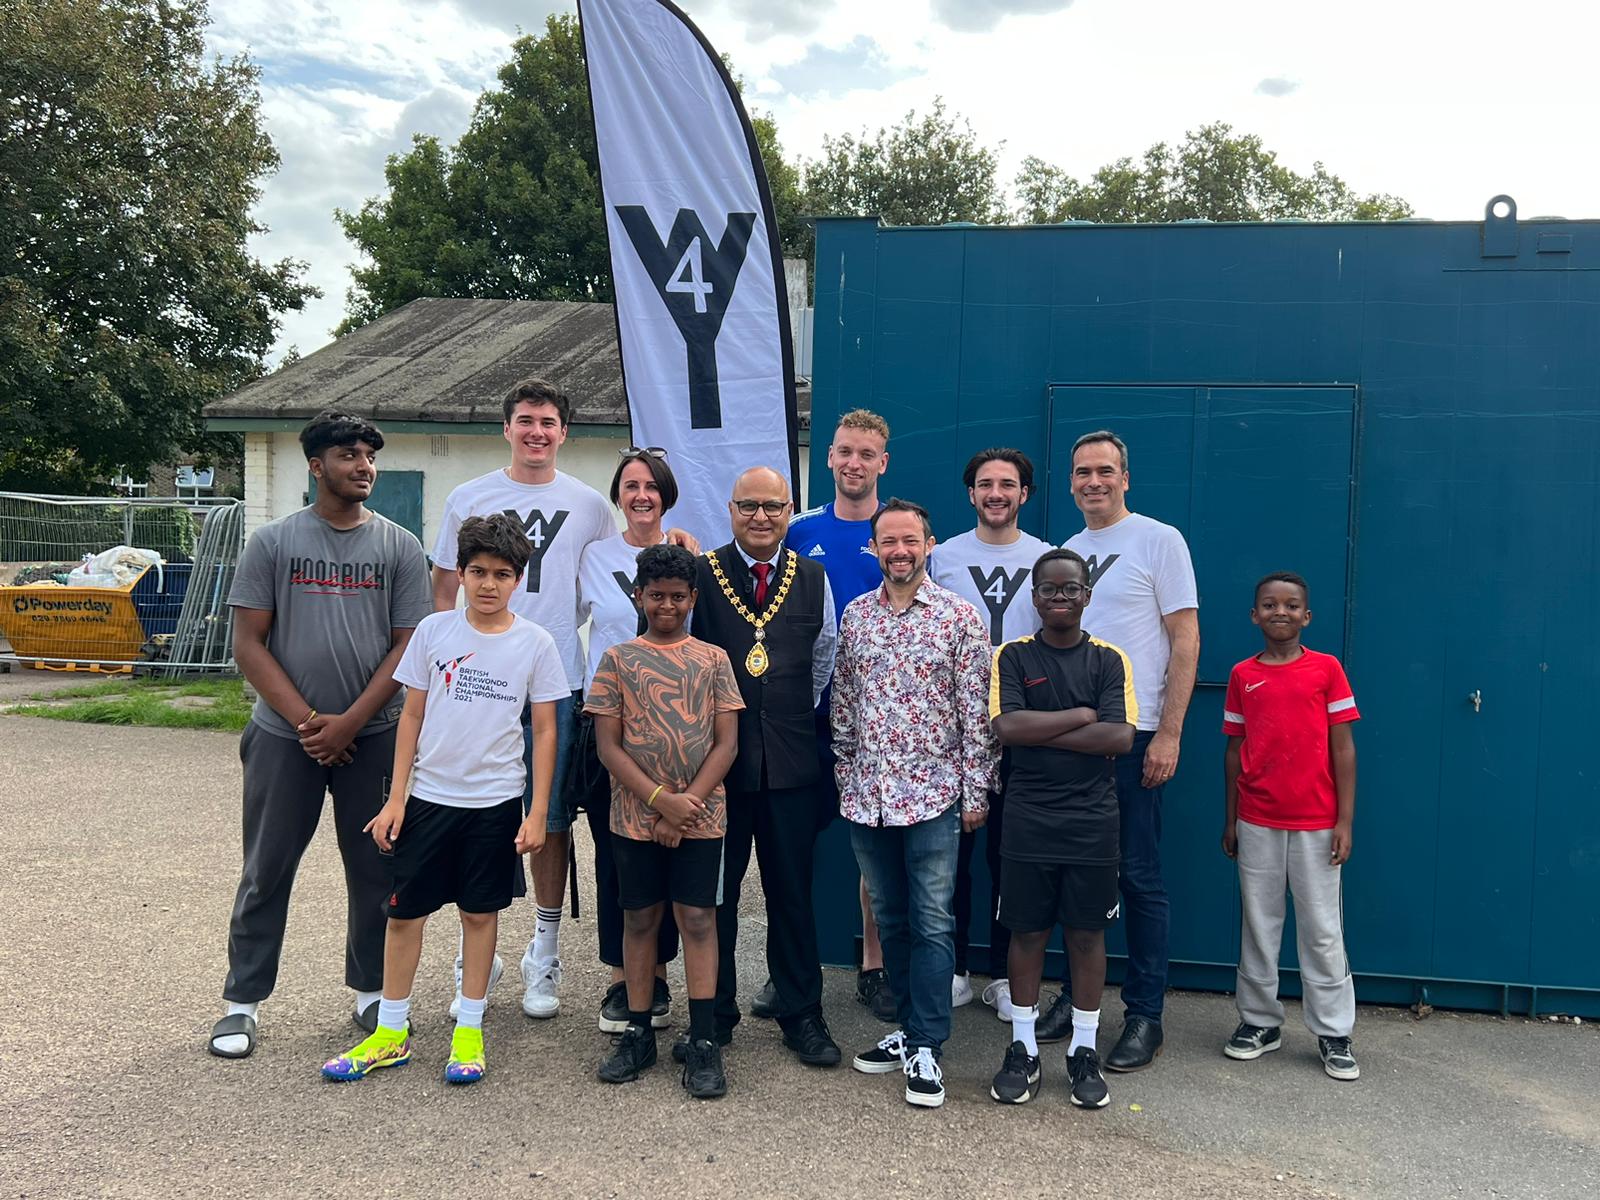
(651, 803)
(310, 716)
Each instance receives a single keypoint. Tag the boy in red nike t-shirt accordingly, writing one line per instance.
(1290, 771)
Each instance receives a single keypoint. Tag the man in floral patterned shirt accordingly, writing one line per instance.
(916, 760)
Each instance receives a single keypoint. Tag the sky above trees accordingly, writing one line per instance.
(1395, 98)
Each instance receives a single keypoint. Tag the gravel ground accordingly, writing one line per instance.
(116, 876)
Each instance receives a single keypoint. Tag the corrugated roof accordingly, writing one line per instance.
(452, 361)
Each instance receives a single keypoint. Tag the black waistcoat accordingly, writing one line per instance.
(777, 727)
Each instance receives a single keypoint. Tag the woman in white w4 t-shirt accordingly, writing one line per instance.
(644, 488)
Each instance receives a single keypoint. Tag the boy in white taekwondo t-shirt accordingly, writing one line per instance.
(457, 789)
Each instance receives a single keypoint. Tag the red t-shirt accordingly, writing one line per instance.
(1283, 712)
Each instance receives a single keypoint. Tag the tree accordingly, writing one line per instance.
(129, 165)
(511, 211)
(1215, 174)
(925, 171)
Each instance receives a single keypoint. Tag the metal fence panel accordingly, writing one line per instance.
(171, 616)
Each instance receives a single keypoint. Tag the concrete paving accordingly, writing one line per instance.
(116, 876)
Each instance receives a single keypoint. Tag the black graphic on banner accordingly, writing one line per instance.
(696, 284)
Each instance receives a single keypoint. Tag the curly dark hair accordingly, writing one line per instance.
(1285, 577)
(330, 428)
(665, 562)
(1060, 554)
(499, 535)
(1019, 460)
(538, 391)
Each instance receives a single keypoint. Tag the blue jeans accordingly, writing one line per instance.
(911, 878)
(1146, 913)
(562, 812)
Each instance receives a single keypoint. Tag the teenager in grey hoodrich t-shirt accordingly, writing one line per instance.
(336, 597)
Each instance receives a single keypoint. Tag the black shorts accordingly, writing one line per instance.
(462, 856)
(689, 873)
(1037, 896)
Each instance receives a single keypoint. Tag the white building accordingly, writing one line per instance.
(432, 375)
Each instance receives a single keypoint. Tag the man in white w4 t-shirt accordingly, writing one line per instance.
(560, 515)
(991, 566)
(1145, 602)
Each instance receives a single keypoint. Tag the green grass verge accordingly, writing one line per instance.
(146, 702)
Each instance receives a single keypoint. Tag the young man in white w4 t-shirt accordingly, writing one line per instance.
(1145, 601)
(560, 515)
(990, 566)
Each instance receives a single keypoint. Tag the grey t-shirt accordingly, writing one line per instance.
(336, 596)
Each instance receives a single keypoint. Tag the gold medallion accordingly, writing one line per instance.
(757, 661)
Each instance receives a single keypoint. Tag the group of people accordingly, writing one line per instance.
(835, 662)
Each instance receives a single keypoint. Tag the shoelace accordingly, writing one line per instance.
(991, 994)
(923, 1065)
(895, 1043)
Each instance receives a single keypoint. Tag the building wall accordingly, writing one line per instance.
(275, 469)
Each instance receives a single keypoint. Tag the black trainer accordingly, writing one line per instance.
(703, 1077)
(660, 1004)
(872, 989)
(680, 1048)
(1088, 1084)
(635, 1053)
(765, 1003)
(1055, 1025)
(924, 1079)
(1252, 1041)
(1337, 1058)
(812, 1043)
(1019, 1077)
(888, 1055)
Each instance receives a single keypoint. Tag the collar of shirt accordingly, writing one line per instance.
(750, 561)
(927, 593)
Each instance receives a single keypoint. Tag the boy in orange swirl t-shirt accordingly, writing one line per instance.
(665, 708)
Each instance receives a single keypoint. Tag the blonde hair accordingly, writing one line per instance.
(865, 420)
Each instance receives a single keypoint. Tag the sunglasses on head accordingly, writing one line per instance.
(640, 451)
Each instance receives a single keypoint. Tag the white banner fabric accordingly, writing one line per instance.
(702, 313)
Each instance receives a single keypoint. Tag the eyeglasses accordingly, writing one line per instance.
(1069, 591)
(773, 508)
(638, 451)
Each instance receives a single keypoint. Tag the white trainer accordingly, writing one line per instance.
(998, 997)
(960, 990)
(495, 972)
(541, 987)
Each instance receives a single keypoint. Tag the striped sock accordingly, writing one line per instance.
(546, 933)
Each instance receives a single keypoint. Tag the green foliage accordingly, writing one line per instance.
(512, 210)
(1215, 174)
(927, 170)
(128, 297)
(147, 702)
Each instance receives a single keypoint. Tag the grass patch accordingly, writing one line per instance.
(145, 701)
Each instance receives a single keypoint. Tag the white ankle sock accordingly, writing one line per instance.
(1085, 1025)
(469, 1014)
(394, 1014)
(1022, 1022)
(237, 1043)
(363, 999)
(546, 933)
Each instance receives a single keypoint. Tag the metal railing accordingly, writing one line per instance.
(170, 617)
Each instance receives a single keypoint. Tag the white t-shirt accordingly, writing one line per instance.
(560, 518)
(605, 595)
(997, 580)
(1140, 571)
(469, 754)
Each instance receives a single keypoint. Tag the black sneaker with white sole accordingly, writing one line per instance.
(924, 1079)
(1337, 1058)
(1088, 1084)
(888, 1055)
(614, 1007)
(1252, 1041)
(1019, 1076)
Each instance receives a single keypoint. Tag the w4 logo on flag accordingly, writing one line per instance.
(696, 283)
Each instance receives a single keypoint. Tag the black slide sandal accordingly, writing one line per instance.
(233, 1025)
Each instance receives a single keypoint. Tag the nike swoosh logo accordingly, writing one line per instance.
(1250, 687)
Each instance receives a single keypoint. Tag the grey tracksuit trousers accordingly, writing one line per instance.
(283, 793)
(1270, 861)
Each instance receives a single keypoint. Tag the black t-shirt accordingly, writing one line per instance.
(1061, 806)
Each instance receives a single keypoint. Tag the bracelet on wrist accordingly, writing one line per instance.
(651, 803)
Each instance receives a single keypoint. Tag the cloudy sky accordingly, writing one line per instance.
(1445, 105)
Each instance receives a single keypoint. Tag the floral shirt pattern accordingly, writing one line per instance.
(910, 709)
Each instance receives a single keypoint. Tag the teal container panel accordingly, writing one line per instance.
(395, 494)
(1424, 399)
